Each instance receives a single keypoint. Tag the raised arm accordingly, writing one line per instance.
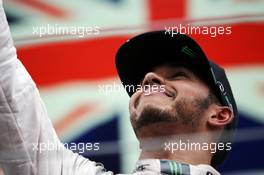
(24, 123)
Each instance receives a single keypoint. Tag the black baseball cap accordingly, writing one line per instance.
(138, 55)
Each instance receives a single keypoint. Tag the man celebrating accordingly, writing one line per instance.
(188, 100)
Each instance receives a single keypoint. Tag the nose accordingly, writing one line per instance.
(152, 78)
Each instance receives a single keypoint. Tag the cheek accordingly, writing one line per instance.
(187, 97)
(192, 91)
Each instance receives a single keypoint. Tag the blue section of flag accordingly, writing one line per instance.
(12, 19)
(106, 132)
(114, 1)
(248, 154)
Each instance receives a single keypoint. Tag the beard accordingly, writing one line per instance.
(184, 112)
(151, 114)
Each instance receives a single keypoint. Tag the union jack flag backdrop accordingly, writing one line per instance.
(69, 69)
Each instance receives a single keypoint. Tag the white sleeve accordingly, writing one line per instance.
(24, 123)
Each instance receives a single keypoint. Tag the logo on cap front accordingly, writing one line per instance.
(189, 51)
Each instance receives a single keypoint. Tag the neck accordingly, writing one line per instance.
(158, 143)
(180, 149)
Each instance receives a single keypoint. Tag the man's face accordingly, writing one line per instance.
(175, 101)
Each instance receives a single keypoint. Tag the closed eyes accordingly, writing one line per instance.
(179, 75)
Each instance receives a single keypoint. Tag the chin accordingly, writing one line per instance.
(142, 108)
(151, 114)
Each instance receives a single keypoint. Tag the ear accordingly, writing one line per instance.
(221, 116)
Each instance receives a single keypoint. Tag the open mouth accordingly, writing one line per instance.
(169, 94)
(159, 90)
(164, 91)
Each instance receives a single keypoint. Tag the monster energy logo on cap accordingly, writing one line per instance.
(189, 51)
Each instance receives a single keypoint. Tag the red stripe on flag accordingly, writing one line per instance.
(243, 46)
(73, 117)
(71, 60)
(95, 59)
(166, 9)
